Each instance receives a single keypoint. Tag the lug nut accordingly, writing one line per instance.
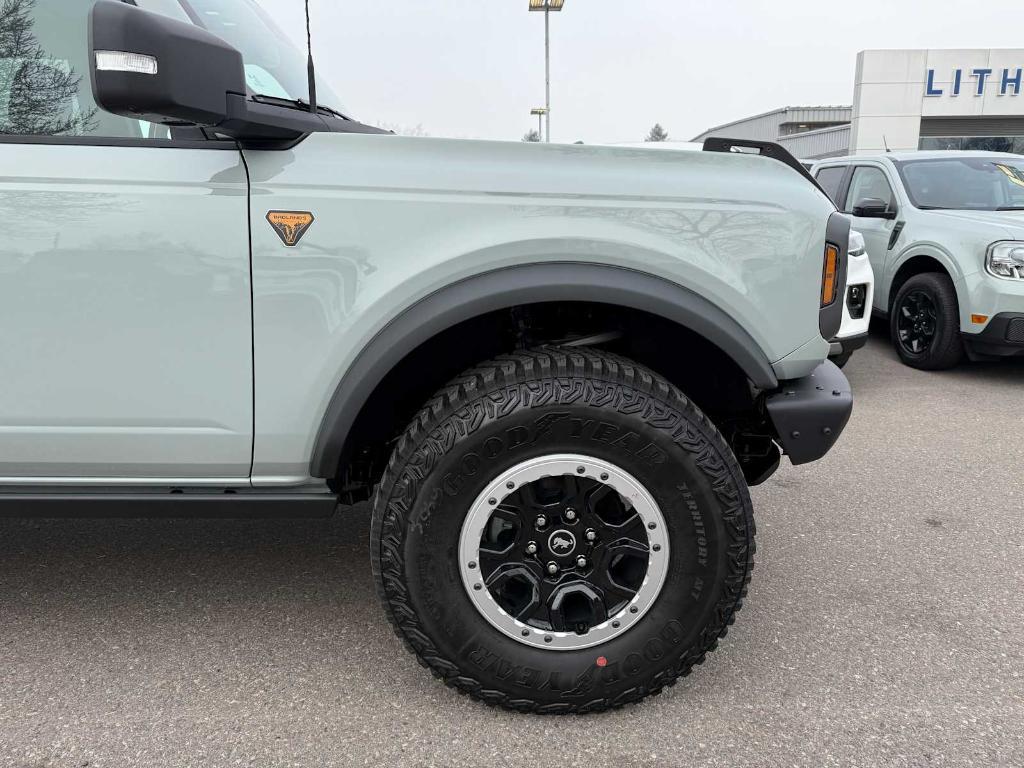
(581, 562)
(570, 513)
(590, 535)
(531, 548)
(552, 568)
(541, 521)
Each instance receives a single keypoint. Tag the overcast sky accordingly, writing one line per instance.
(474, 68)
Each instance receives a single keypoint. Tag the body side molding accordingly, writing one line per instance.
(47, 502)
(528, 284)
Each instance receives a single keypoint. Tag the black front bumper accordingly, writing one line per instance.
(1002, 337)
(810, 413)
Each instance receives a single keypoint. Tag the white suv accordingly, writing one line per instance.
(945, 235)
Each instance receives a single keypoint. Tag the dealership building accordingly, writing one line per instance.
(906, 100)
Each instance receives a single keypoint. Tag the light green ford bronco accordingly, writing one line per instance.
(555, 370)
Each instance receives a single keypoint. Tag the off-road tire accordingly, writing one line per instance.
(548, 401)
(946, 349)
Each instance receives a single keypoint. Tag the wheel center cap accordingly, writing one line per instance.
(562, 542)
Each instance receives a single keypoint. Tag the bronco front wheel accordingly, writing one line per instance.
(561, 530)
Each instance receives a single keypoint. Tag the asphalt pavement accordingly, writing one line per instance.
(885, 625)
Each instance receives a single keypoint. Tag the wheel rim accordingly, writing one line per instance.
(916, 322)
(585, 573)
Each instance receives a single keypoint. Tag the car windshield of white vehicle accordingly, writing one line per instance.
(966, 183)
(274, 67)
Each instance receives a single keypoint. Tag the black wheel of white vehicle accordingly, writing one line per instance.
(561, 530)
(925, 322)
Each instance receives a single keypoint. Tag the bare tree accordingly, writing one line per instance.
(532, 135)
(657, 133)
(42, 89)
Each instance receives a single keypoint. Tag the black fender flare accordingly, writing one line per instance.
(526, 284)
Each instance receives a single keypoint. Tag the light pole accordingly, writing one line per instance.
(547, 6)
(539, 112)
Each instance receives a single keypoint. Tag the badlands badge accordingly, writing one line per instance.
(290, 225)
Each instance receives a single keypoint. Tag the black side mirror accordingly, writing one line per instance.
(150, 67)
(873, 208)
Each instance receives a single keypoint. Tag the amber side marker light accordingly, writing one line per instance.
(979, 319)
(829, 275)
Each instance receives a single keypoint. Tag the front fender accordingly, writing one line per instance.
(397, 219)
(931, 250)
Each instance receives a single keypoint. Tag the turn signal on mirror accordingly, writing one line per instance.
(830, 275)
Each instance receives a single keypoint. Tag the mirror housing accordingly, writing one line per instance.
(873, 208)
(147, 66)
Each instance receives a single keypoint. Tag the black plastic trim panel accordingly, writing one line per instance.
(810, 413)
(999, 338)
(852, 343)
(837, 232)
(766, 149)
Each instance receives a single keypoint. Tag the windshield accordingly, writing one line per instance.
(273, 65)
(966, 183)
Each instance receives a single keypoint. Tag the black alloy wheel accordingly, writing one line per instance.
(564, 551)
(916, 322)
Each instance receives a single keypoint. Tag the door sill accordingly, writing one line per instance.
(165, 502)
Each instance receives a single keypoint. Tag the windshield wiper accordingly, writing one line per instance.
(1010, 208)
(321, 108)
(301, 104)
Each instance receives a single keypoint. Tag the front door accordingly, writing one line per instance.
(870, 181)
(125, 311)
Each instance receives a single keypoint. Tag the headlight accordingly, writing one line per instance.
(1006, 260)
